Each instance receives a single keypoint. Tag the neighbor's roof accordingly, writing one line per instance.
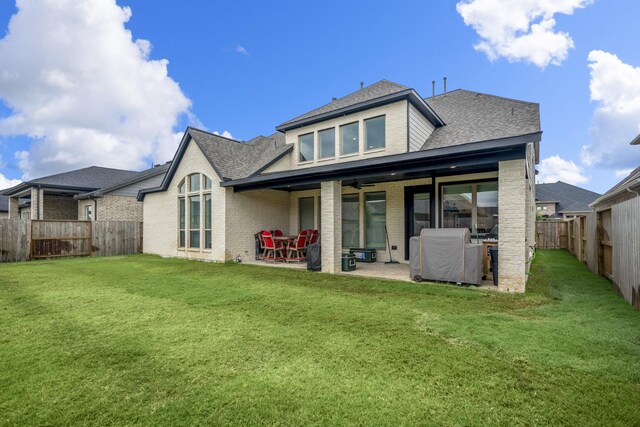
(473, 117)
(90, 178)
(632, 180)
(139, 177)
(636, 140)
(570, 198)
(379, 93)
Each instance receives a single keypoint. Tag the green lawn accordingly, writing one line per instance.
(145, 340)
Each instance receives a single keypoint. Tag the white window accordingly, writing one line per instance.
(306, 147)
(88, 213)
(194, 205)
(374, 133)
(349, 138)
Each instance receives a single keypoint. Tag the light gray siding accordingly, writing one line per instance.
(419, 129)
(132, 190)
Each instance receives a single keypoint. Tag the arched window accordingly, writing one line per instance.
(194, 212)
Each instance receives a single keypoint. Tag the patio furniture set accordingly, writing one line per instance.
(274, 246)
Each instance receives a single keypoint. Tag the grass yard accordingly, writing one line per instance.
(145, 340)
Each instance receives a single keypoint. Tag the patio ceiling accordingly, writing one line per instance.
(470, 158)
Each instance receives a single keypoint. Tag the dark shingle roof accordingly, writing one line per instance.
(139, 176)
(235, 159)
(569, 197)
(473, 117)
(91, 177)
(4, 204)
(376, 90)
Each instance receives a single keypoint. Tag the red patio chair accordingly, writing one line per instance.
(261, 242)
(313, 237)
(272, 248)
(277, 233)
(296, 248)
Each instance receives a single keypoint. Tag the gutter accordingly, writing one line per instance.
(632, 187)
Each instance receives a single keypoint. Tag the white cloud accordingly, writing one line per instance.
(241, 50)
(522, 30)
(226, 134)
(8, 183)
(84, 90)
(615, 86)
(623, 173)
(555, 168)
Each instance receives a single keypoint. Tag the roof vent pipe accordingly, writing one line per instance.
(445, 86)
(361, 85)
(433, 88)
(334, 99)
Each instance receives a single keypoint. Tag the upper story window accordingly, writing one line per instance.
(306, 147)
(327, 143)
(349, 138)
(194, 204)
(374, 133)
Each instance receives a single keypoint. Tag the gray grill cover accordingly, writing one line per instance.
(447, 255)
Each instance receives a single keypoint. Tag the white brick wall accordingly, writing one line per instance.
(249, 212)
(331, 214)
(512, 211)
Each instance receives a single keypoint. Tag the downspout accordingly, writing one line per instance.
(633, 191)
(95, 208)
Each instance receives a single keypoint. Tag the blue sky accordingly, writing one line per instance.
(76, 90)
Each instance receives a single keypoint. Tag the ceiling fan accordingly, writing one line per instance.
(358, 185)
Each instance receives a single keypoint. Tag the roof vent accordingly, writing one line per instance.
(433, 88)
(334, 99)
(361, 85)
(445, 86)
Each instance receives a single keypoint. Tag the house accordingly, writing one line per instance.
(616, 232)
(560, 200)
(4, 207)
(90, 193)
(381, 159)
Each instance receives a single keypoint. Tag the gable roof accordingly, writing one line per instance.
(230, 158)
(473, 117)
(90, 178)
(139, 177)
(234, 159)
(631, 181)
(569, 197)
(380, 93)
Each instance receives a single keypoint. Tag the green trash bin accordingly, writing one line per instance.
(348, 262)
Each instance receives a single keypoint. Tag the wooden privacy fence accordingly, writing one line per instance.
(608, 241)
(551, 235)
(21, 240)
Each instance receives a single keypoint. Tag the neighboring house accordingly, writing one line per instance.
(92, 193)
(560, 200)
(4, 207)
(380, 159)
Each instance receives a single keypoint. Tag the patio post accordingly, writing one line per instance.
(331, 226)
(512, 211)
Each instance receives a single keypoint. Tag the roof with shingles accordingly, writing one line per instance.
(139, 176)
(234, 159)
(472, 117)
(569, 197)
(629, 181)
(376, 90)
